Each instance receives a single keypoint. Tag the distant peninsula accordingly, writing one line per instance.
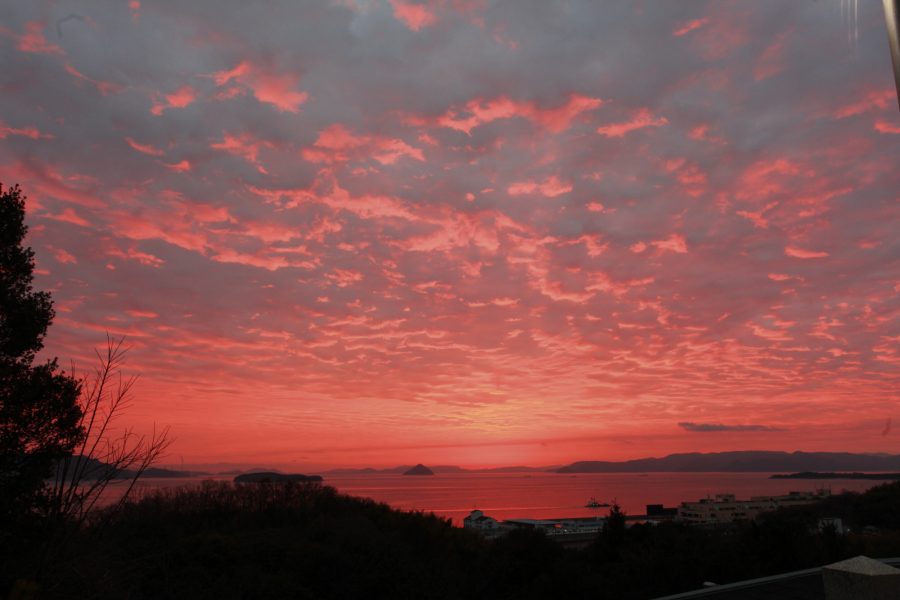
(743, 461)
(419, 469)
(273, 477)
(750, 461)
(818, 475)
(437, 469)
(95, 469)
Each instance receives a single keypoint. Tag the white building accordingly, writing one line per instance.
(725, 508)
(478, 520)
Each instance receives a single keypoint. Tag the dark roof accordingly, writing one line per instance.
(797, 585)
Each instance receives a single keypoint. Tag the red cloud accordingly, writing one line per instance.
(802, 253)
(870, 100)
(885, 127)
(674, 243)
(415, 16)
(29, 132)
(277, 89)
(68, 215)
(244, 145)
(771, 61)
(63, 256)
(180, 167)
(641, 119)
(104, 87)
(336, 143)
(689, 26)
(479, 112)
(180, 98)
(135, 7)
(550, 187)
(33, 40)
(144, 148)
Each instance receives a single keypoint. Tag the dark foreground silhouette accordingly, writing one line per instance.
(273, 477)
(305, 540)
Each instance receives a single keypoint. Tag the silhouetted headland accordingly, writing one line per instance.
(752, 461)
(273, 477)
(438, 470)
(419, 469)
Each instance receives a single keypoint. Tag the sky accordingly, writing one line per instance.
(381, 232)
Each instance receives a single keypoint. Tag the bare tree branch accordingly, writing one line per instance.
(103, 457)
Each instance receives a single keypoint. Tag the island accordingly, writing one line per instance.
(419, 469)
(817, 475)
(272, 477)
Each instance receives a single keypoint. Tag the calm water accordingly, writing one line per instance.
(517, 495)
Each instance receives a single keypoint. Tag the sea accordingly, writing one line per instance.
(543, 495)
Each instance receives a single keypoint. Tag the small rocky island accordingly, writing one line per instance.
(419, 469)
(273, 477)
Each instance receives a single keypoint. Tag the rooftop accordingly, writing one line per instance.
(796, 585)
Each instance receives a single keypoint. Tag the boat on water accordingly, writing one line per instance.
(592, 503)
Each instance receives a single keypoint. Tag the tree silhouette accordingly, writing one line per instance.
(39, 410)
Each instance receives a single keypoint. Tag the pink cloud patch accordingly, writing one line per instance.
(68, 215)
(180, 98)
(244, 145)
(550, 187)
(674, 243)
(64, 257)
(479, 112)
(135, 7)
(641, 119)
(180, 167)
(795, 252)
(29, 132)
(104, 87)
(868, 100)
(886, 127)
(771, 61)
(144, 148)
(686, 27)
(415, 16)
(267, 86)
(32, 40)
(336, 143)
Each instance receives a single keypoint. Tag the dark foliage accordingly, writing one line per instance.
(304, 540)
(39, 413)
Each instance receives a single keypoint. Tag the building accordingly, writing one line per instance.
(725, 508)
(660, 512)
(564, 526)
(851, 579)
(479, 521)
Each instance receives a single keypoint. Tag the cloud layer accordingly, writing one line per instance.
(477, 232)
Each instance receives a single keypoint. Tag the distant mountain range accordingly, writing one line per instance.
(94, 469)
(744, 461)
(438, 470)
(750, 461)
